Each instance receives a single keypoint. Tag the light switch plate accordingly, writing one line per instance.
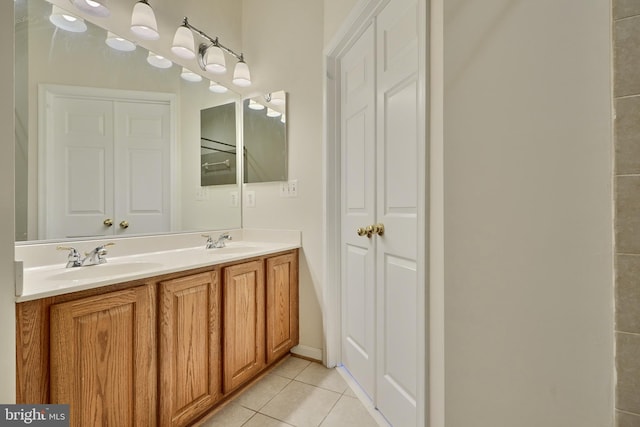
(250, 199)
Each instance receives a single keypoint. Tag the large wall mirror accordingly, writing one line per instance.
(116, 107)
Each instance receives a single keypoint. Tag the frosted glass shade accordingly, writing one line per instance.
(273, 113)
(183, 43)
(241, 75)
(278, 98)
(143, 21)
(255, 105)
(158, 61)
(190, 76)
(93, 7)
(217, 87)
(67, 21)
(116, 42)
(214, 61)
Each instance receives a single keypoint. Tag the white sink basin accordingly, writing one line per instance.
(105, 270)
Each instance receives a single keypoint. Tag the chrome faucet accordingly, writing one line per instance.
(95, 257)
(219, 242)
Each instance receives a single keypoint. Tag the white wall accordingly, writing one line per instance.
(335, 12)
(284, 40)
(7, 289)
(528, 213)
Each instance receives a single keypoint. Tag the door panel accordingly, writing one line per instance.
(80, 153)
(142, 183)
(397, 207)
(358, 202)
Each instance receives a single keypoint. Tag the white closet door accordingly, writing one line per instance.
(79, 179)
(142, 150)
(400, 308)
(358, 210)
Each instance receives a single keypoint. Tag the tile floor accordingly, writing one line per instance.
(296, 393)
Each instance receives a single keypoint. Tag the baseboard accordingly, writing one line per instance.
(308, 352)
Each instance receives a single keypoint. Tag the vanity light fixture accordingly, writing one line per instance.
(67, 21)
(158, 61)
(273, 113)
(116, 42)
(92, 7)
(210, 54)
(255, 105)
(183, 42)
(190, 76)
(217, 87)
(143, 21)
(241, 75)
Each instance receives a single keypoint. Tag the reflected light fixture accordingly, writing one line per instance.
(217, 87)
(116, 42)
(190, 76)
(143, 21)
(210, 54)
(273, 113)
(277, 98)
(255, 105)
(92, 7)
(67, 21)
(158, 61)
(183, 42)
(283, 119)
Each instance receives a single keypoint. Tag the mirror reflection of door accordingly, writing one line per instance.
(218, 157)
(265, 138)
(105, 165)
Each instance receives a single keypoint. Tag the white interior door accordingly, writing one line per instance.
(382, 166)
(79, 161)
(142, 178)
(400, 309)
(358, 210)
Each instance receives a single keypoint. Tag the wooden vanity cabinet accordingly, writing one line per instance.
(189, 353)
(162, 351)
(244, 323)
(282, 305)
(103, 358)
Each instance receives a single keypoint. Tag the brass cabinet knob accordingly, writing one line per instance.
(108, 222)
(124, 224)
(361, 231)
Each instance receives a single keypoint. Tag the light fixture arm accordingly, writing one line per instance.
(214, 42)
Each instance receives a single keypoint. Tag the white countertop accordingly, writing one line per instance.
(42, 279)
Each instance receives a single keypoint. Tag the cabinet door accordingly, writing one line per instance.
(103, 358)
(282, 305)
(189, 347)
(244, 325)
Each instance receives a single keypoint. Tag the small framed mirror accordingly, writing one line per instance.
(265, 138)
(218, 154)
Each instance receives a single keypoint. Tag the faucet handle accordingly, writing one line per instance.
(71, 249)
(73, 260)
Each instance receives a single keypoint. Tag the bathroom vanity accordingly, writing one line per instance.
(164, 349)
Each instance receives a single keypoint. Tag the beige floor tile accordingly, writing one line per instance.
(349, 392)
(260, 420)
(318, 375)
(291, 367)
(262, 391)
(301, 405)
(349, 412)
(232, 415)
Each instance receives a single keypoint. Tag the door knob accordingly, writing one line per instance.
(362, 232)
(108, 222)
(124, 224)
(378, 229)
